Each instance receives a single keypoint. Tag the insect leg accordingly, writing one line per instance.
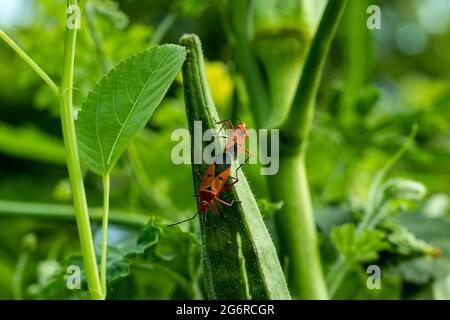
(228, 186)
(236, 179)
(227, 123)
(215, 209)
(192, 218)
(248, 152)
(199, 176)
(226, 203)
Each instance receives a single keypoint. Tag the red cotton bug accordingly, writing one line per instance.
(218, 172)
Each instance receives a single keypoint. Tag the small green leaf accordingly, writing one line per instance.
(435, 232)
(160, 248)
(120, 256)
(268, 208)
(404, 189)
(406, 243)
(375, 196)
(363, 248)
(169, 251)
(122, 103)
(354, 286)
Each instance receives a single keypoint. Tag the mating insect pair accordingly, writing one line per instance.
(218, 172)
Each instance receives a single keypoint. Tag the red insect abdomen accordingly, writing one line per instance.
(206, 195)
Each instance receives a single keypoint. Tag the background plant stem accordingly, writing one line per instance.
(66, 213)
(298, 125)
(106, 187)
(97, 39)
(30, 62)
(296, 229)
(295, 223)
(162, 28)
(341, 266)
(73, 165)
(19, 275)
(237, 14)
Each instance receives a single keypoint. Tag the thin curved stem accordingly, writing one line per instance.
(374, 213)
(19, 275)
(65, 213)
(337, 274)
(41, 73)
(97, 39)
(162, 28)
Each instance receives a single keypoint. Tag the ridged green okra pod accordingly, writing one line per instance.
(222, 254)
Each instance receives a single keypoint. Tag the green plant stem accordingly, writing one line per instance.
(295, 223)
(30, 62)
(296, 229)
(370, 219)
(162, 28)
(19, 274)
(82, 4)
(297, 126)
(243, 268)
(73, 164)
(379, 177)
(337, 274)
(66, 213)
(97, 39)
(257, 90)
(106, 187)
(27, 246)
(357, 52)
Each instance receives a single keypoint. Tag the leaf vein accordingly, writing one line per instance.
(96, 129)
(114, 100)
(126, 84)
(133, 106)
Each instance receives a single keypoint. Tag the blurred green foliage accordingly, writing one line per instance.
(377, 84)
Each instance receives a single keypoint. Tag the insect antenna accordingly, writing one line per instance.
(192, 218)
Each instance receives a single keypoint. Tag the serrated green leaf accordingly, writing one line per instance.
(406, 243)
(369, 244)
(435, 232)
(354, 287)
(170, 252)
(343, 238)
(120, 256)
(358, 249)
(123, 102)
